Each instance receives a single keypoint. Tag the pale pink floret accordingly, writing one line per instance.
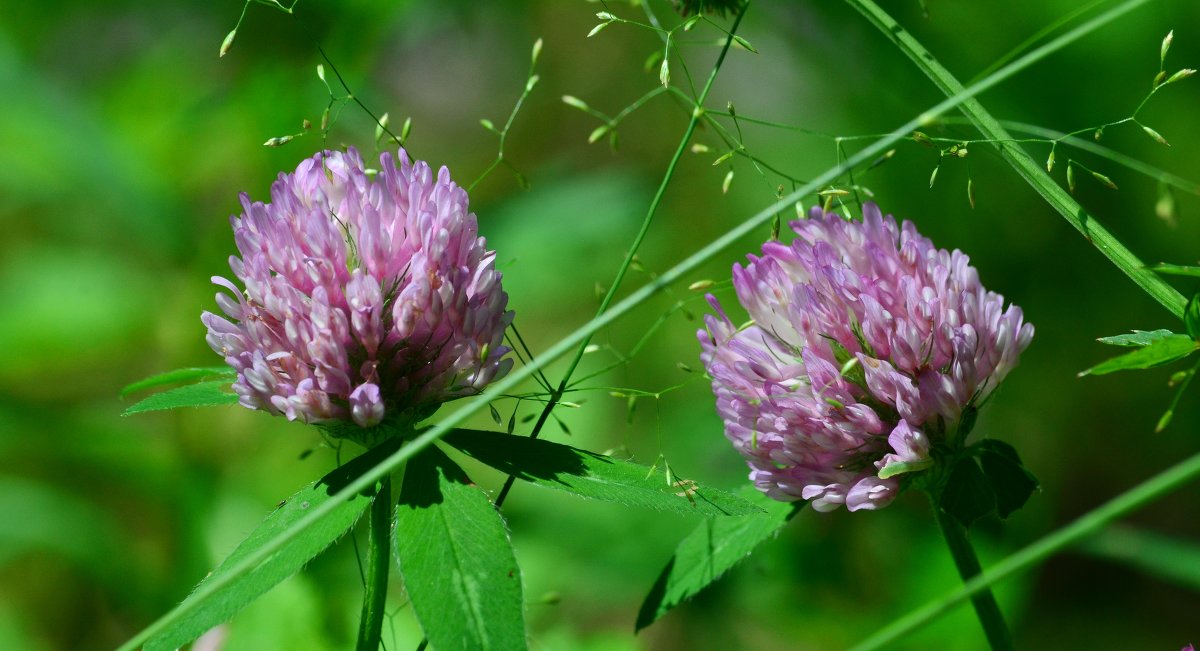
(924, 341)
(367, 297)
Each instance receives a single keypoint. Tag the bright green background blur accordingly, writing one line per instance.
(126, 140)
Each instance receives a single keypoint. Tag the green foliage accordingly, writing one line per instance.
(200, 394)
(967, 494)
(219, 606)
(1136, 338)
(710, 550)
(587, 474)
(1177, 270)
(178, 375)
(1010, 480)
(1161, 350)
(456, 559)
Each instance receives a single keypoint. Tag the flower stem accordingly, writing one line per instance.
(967, 562)
(370, 626)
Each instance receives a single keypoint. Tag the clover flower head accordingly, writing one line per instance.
(868, 347)
(368, 295)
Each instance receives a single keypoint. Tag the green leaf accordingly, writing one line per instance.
(201, 394)
(587, 474)
(223, 604)
(1161, 351)
(1176, 270)
(1136, 338)
(456, 559)
(967, 495)
(178, 375)
(710, 550)
(1011, 482)
(1191, 317)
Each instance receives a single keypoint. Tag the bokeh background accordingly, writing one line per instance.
(125, 141)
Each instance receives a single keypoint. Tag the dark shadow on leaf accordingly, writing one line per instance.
(524, 458)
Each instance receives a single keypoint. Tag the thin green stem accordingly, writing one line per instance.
(968, 566)
(370, 626)
(472, 406)
(1088, 524)
(1031, 171)
(633, 249)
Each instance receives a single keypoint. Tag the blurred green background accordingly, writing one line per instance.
(126, 141)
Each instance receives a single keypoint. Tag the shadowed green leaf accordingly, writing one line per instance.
(1136, 338)
(178, 375)
(223, 604)
(710, 550)
(1191, 316)
(968, 494)
(201, 394)
(1162, 351)
(587, 474)
(1011, 482)
(456, 559)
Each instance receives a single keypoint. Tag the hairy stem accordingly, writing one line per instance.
(968, 566)
(370, 626)
(1031, 171)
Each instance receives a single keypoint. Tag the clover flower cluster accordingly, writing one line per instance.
(867, 347)
(368, 295)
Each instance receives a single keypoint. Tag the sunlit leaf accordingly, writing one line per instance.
(201, 394)
(225, 602)
(1191, 316)
(1136, 338)
(587, 474)
(178, 375)
(456, 559)
(710, 550)
(1162, 351)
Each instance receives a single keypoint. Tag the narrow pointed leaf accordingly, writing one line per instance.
(1136, 338)
(712, 549)
(456, 559)
(1161, 351)
(223, 604)
(587, 474)
(178, 375)
(201, 394)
